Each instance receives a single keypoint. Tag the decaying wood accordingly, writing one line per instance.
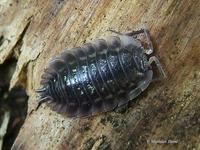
(3, 127)
(35, 31)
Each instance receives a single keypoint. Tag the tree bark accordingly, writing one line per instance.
(165, 116)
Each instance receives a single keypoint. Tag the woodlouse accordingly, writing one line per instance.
(99, 76)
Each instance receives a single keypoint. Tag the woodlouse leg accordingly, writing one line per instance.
(122, 104)
(135, 93)
(144, 31)
(159, 66)
(121, 109)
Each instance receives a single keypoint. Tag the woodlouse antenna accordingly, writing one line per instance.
(114, 31)
(135, 33)
(130, 33)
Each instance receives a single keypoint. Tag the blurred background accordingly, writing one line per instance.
(13, 106)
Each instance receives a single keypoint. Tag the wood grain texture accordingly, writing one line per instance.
(35, 31)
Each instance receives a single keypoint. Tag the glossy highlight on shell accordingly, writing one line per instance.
(96, 77)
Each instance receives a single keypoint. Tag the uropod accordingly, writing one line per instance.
(99, 76)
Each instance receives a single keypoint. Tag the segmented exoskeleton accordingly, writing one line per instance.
(99, 76)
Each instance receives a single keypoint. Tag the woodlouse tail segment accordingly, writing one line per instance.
(43, 98)
(41, 90)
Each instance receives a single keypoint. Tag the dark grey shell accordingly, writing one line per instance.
(95, 77)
